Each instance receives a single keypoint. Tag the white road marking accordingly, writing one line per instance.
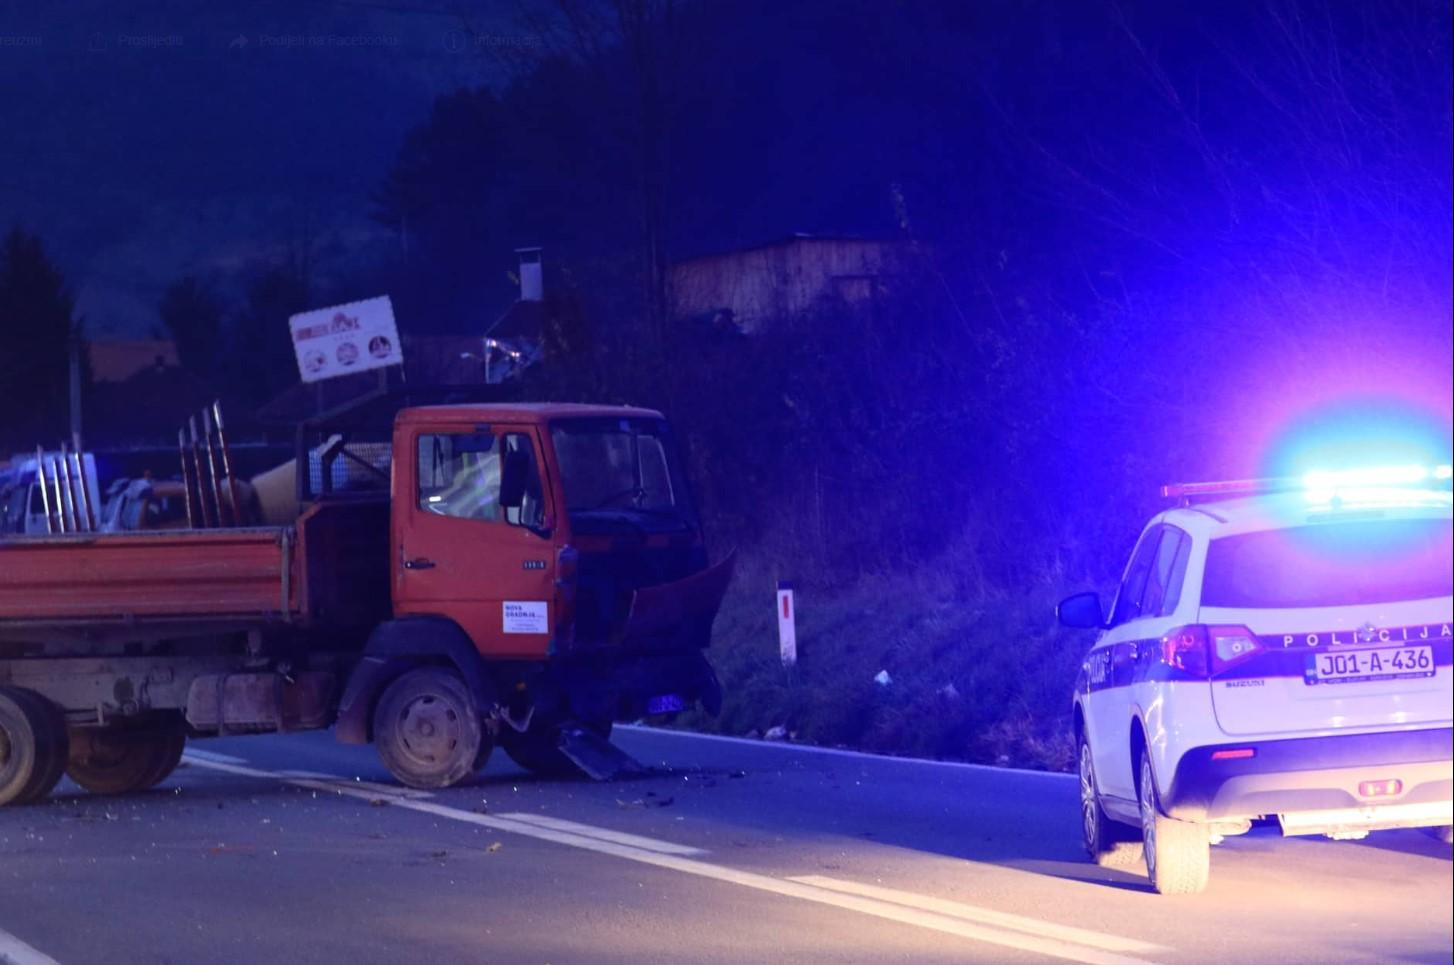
(13, 951)
(602, 834)
(987, 916)
(202, 755)
(388, 790)
(839, 752)
(889, 910)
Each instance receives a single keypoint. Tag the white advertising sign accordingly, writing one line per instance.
(787, 633)
(526, 616)
(330, 342)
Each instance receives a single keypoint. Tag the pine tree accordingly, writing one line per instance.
(37, 324)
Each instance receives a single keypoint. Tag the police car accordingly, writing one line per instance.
(1277, 649)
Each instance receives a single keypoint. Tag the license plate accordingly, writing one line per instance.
(665, 704)
(1355, 666)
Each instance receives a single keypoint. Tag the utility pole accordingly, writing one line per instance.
(76, 392)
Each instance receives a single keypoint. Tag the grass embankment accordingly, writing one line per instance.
(974, 675)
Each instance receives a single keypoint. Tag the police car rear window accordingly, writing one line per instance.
(1331, 564)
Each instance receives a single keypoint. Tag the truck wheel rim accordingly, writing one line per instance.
(430, 728)
(1088, 817)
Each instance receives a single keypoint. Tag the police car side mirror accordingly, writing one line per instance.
(1081, 611)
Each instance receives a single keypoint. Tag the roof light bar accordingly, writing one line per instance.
(1373, 476)
(1324, 482)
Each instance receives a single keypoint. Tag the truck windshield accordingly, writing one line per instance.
(621, 466)
(1331, 564)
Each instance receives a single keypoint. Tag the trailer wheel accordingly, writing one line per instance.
(171, 741)
(32, 746)
(118, 761)
(427, 729)
(538, 748)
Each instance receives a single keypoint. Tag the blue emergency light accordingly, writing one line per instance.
(1357, 485)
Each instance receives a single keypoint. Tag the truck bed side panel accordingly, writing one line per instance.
(212, 574)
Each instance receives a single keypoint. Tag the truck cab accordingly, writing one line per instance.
(557, 548)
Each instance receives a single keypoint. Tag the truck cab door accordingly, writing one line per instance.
(471, 535)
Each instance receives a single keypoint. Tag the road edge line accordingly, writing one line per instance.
(987, 916)
(840, 752)
(13, 951)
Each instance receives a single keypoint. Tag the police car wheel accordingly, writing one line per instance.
(1178, 853)
(1109, 844)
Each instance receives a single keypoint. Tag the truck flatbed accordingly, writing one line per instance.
(130, 577)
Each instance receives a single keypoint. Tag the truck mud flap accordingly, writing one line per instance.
(663, 611)
(596, 756)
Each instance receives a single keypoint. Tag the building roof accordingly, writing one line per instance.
(429, 360)
(797, 237)
(524, 412)
(522, 320)
(117, 361)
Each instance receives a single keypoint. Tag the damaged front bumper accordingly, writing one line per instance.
(653, 665)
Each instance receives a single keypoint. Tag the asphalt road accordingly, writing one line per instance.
(269, 849)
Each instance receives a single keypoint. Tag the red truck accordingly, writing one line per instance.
(522, 575)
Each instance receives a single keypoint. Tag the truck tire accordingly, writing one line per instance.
(427, 729)
(117, 760)
(1110, 844)
(32, 746)
(1178, 853)
(537, 749)
(172, 741)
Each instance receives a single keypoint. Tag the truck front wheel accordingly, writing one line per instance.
(427, 729)
(32, 746)
(121, 760)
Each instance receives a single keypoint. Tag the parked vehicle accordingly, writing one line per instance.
(147, 503)
(1283, 653)
(532, 574)
(28, 507)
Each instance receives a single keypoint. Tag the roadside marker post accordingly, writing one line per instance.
(787, 634)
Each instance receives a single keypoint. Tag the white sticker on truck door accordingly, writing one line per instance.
(526, 616)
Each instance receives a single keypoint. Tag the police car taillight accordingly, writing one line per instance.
(1230, 646)
(1185, 649)
(1200, 650)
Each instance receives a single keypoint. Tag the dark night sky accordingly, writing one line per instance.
(146, 139)
(163, 137)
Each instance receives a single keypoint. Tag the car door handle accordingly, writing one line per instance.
(419, 563)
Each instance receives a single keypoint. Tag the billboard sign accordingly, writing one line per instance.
(344, 339)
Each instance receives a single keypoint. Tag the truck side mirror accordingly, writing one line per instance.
(1081, 611)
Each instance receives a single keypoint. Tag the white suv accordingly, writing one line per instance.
(1281, 653)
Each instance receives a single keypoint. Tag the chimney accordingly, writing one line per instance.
(532, 283)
